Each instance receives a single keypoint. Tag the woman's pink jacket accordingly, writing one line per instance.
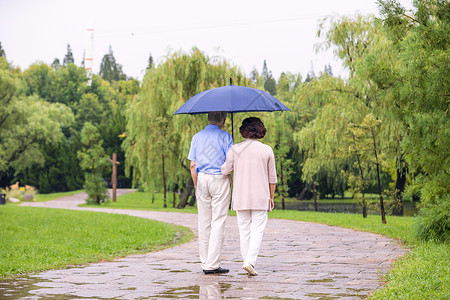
(254, 168)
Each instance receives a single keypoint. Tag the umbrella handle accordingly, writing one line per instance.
(232, 126)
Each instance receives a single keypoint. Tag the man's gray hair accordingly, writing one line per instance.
(216, 117)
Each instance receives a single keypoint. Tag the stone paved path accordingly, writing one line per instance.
(298, 260)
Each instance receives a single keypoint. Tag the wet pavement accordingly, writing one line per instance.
(298, 260)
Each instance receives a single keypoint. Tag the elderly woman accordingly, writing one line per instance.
(253, 187)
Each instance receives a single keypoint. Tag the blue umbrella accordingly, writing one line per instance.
(231, 99)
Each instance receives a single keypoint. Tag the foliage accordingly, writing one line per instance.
(102, 103)
(36, 239)
(94, 161)
(26, 122)
(68, 58)
(434, 222)
(416, 88)
(2, 51)
(110, 70)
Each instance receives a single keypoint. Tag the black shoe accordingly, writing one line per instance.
(216, 271)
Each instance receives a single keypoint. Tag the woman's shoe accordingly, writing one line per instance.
(250, 270)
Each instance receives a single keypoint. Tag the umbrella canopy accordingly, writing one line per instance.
(231, 99)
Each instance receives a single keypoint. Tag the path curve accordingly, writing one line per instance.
(298, 260)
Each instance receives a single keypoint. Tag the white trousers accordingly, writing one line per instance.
(213, 201)
(251, 225)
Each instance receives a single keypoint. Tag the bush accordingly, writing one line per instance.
(96, 189)
(433, 222)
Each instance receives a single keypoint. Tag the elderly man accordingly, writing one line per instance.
(208, 152)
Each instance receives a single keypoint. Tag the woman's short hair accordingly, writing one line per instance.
(216, 117)
(252, 128)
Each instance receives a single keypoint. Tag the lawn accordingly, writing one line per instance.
(35, 239)
(424, 273)
(53, 196)
(144, 201)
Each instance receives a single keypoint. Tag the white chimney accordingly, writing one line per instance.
(89, 53)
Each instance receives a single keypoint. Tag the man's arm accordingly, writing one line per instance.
(272, 194)
(194, 174)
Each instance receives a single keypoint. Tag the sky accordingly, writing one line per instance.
(244, 32)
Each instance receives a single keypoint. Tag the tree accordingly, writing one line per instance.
(351, 130)
(280, 126)
(2, 51)
(110, 70)
(265, 71)
(56, 64)
(151, 63)
(94, 161)
(68, 58)
(415, 83)
(25, 123)
(328, 70)
(270, 85)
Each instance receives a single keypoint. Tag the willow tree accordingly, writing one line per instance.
(280, 127)
(416, 88)
(329, 138)
(321, 138)
(157, 143)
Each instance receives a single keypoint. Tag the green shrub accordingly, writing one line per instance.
(96, 189)
(433, 222)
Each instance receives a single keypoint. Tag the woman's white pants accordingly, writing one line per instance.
(251, 225)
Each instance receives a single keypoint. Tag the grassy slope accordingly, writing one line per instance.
(40, 238)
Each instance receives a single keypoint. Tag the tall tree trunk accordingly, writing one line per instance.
(164, 181)
(282, 186)
(316, 207)
(363, 188)
(186, 193)
(383, 213)
(173, 200)
(303, 192)
(193, 198)
(399, 189)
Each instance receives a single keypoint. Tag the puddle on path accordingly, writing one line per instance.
(22, 287)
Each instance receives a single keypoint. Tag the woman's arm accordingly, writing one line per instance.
(229, 162)
(272, 194)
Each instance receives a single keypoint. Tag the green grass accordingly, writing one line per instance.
(396, 227)
(143, 201)
(424, 272)
(53, 196)
(35, 239)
